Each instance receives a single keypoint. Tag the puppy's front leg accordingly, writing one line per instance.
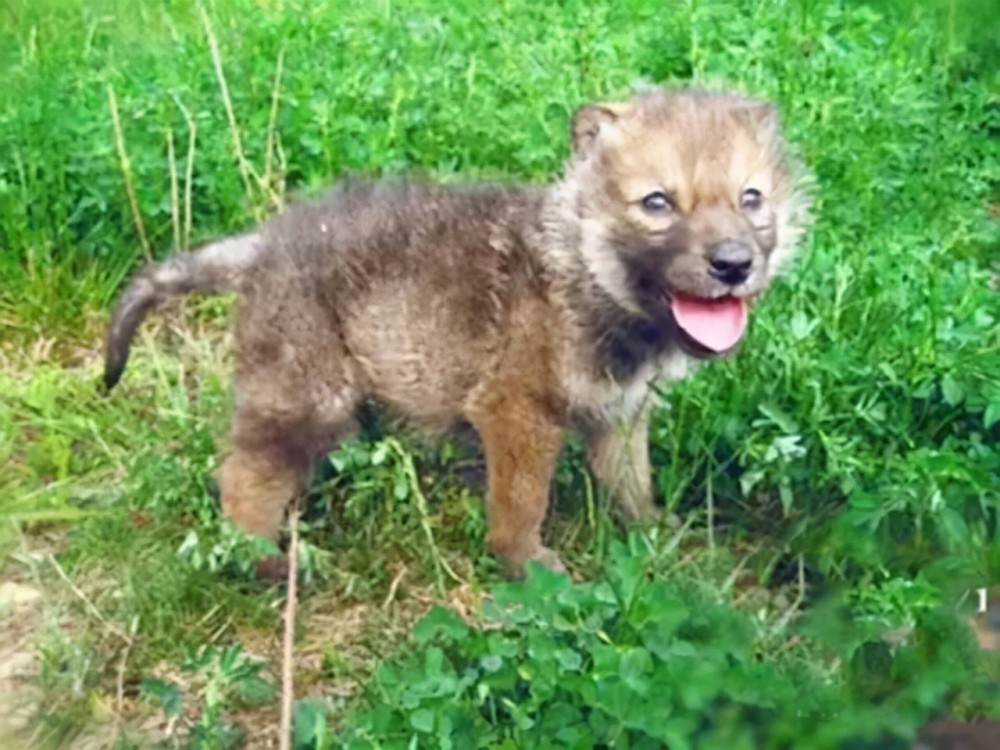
(619, 458)
(521, 447)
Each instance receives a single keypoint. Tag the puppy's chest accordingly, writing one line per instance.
(603, 399)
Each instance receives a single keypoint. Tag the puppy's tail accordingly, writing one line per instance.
(216, 267)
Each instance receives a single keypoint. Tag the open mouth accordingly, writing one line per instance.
(714, 325)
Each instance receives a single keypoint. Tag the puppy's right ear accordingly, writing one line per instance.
(588, 121)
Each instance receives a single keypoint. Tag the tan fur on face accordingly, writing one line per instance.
(702, 150)
(522, 312)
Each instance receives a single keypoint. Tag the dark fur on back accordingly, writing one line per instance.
(364, 235)
(333, 249)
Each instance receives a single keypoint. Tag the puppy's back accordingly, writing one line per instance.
(418, 281)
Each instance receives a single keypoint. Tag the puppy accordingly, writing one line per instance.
(521, 311)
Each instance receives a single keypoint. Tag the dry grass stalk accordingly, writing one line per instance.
(188, 172)
(175, 217)
(126, 167)
(288, 644)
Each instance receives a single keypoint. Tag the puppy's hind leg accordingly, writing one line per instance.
(274, 450)
(256, 491)
(257, 488)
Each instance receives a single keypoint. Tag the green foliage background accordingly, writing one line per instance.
(857, 431)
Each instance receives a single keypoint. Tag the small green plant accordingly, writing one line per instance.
(216, 680)
(856, 433)
(310, 727)
(633, 661)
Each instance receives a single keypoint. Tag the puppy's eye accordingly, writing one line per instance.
(751, 199)
(657, 203)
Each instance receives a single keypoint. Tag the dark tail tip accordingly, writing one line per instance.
(112, 374)
(115, 355)
(134, 304)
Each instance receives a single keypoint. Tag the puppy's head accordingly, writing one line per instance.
(688, 205)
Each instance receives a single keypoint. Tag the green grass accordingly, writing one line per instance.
(852, 446)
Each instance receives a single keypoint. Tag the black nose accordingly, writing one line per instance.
(730, 262)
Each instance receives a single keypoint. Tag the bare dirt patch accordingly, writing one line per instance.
(20, 618)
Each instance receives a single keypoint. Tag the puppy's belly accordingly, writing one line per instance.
(427, 397)
(415, 359)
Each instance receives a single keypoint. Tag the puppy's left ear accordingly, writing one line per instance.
(760, 113)
(589, 120)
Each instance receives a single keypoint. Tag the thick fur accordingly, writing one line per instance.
(521, 311)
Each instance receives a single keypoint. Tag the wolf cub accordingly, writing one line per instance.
(521, 311)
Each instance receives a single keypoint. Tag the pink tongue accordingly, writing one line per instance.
(716, 324)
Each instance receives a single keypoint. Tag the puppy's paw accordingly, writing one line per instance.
(273, 569)
(550, 560)
(514, 565)
(648, 515)
(635, 513)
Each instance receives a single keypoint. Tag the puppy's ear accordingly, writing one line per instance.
(759, 113)
(588, 121)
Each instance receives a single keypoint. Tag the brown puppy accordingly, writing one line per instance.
(521, 311)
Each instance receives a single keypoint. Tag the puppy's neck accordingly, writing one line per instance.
(621, 339)
(623, 343)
